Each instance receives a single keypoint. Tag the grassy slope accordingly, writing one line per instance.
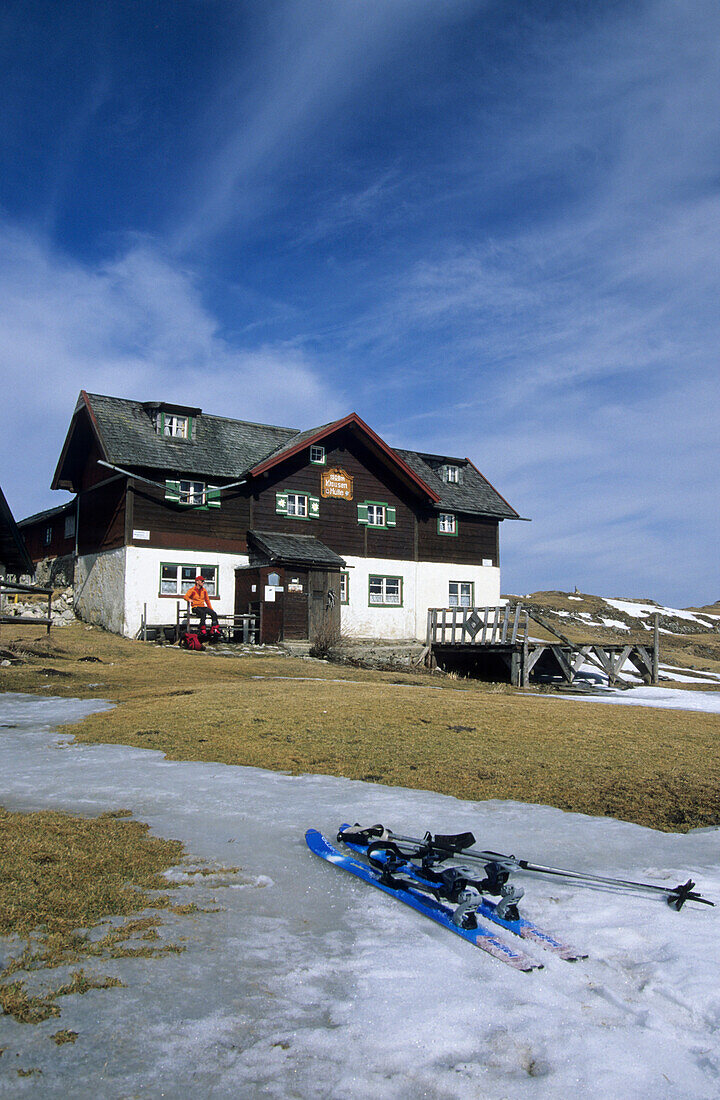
(658, 768)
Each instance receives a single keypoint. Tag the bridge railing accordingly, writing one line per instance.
(503, 625)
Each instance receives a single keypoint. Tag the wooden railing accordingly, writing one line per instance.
(476, 625)
(9, 588)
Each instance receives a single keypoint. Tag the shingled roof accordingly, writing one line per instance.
(234, 449)
(297, 549)
(221, 447)
(474, 494)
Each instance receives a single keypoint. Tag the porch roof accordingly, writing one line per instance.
(293, 549)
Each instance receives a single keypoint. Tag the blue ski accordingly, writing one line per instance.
(428, 906)
(521, 927)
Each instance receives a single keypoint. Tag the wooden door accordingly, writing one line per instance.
(295, 601)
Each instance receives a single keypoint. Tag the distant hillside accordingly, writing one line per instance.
(688, 636)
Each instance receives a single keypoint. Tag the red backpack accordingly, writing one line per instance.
(191, 641)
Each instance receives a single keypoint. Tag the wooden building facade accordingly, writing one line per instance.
(164, 492)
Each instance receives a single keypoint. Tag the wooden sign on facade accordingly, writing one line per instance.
(336, 483)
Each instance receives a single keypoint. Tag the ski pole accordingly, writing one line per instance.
(676, 896)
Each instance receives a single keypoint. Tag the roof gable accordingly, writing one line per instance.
(377, 445)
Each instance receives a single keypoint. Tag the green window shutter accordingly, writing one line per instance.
(390, 520)
(172, 491)
(281, 503)
(314, 507)
(212, 496)
(362, 513)
(190, 428)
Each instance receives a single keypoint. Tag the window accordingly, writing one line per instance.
(48, 536)
(385, 591)
(69, 525)
(173, 425)
(375, 513)
(317, 455)
(176, 579)
(452, 475)
(461, 594)
(297, 505)
(193, 493)
(447, 524)
(344, 588)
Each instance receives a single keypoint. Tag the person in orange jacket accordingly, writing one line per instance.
(199, 601)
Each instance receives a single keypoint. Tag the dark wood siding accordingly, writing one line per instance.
(38, 548)
(173, 526)
(476, 540)
(102, 517)
(338, 525)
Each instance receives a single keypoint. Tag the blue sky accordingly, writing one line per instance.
(490, 228)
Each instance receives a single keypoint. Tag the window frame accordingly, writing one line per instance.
(175, 419)
(344, 584)
(312, 504)
(445, 516)
(452, 474)
(460, 585)
(196, 493)
(48, 536)
(297, 497)
(318, 460)
(389, 514)
(384, 602)
(209, 494)
(381, 511)
(182, 585)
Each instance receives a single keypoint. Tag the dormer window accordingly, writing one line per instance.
(173, 421)
(451, 474)
(317, 455)
(175, 425)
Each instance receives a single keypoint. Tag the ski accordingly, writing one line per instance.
(520, 926)
(422, 903)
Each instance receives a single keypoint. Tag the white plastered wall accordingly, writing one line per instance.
(424, 585)
(142, 583)
(113, 588)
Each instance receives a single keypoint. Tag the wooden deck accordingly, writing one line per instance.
(501, 635)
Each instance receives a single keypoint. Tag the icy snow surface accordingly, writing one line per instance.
(640, 610)
(310, 984)
(665, 698)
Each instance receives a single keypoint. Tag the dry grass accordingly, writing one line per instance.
(657, 768)
(61, 876)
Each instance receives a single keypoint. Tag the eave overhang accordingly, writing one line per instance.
(83, 406)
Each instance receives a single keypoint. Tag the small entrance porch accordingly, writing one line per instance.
(292, 584)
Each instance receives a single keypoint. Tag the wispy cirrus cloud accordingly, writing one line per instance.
(316, 59)
(135, 326)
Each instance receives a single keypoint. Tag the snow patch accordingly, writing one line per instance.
(318, 986)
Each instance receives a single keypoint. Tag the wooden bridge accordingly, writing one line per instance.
(488, 636)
